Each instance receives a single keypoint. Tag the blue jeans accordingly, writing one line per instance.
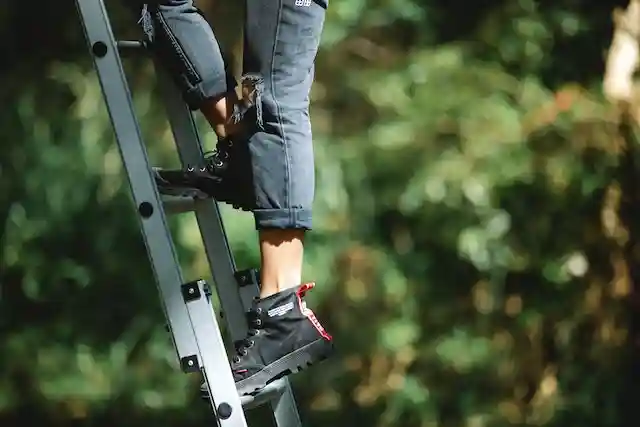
(281, 42)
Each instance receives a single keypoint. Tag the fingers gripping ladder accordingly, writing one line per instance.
(193, 324)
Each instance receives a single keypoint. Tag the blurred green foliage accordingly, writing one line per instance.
(476, 218)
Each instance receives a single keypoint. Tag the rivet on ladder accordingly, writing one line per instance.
(145, 209)
(224, 411)
(99, 49)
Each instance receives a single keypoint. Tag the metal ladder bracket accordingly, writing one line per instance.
(249, 277)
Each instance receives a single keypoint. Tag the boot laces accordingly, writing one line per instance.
(255, 324)
(215, 158)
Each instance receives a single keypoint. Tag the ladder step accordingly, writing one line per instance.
(176, 204)
(274, 389)
(130, 44)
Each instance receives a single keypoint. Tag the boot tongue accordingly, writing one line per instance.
(275, 298)
(282, 296)
(280, 304)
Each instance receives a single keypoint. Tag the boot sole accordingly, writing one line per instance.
(196, 194)
(165, 188)
(292, 363)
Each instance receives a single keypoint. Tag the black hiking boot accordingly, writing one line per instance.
(223, 175)
(284, 337)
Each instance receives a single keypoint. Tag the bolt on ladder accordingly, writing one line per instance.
(191, 320)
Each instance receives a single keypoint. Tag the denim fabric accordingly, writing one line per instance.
(281, 42)
(187, 47)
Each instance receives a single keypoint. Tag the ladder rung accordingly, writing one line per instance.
(274, 389)
(130, 44)
(176, 205)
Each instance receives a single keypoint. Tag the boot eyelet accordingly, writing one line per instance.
(258, 322)
(244, 352)
(258, 310)
(251, 344)
(236, 359)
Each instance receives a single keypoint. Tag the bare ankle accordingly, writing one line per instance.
(282, 256)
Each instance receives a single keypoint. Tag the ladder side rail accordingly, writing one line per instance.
(99, 35)
(223, 395)
(207, 212)
(285, 409)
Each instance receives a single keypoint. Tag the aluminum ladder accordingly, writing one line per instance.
(190, 316)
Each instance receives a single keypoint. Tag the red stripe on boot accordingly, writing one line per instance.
(307, 311)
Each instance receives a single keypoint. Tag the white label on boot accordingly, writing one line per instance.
(279, 311)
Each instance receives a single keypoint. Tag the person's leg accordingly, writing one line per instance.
(184, 44)
(186, 47)
(281, 42)
(281, 256)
